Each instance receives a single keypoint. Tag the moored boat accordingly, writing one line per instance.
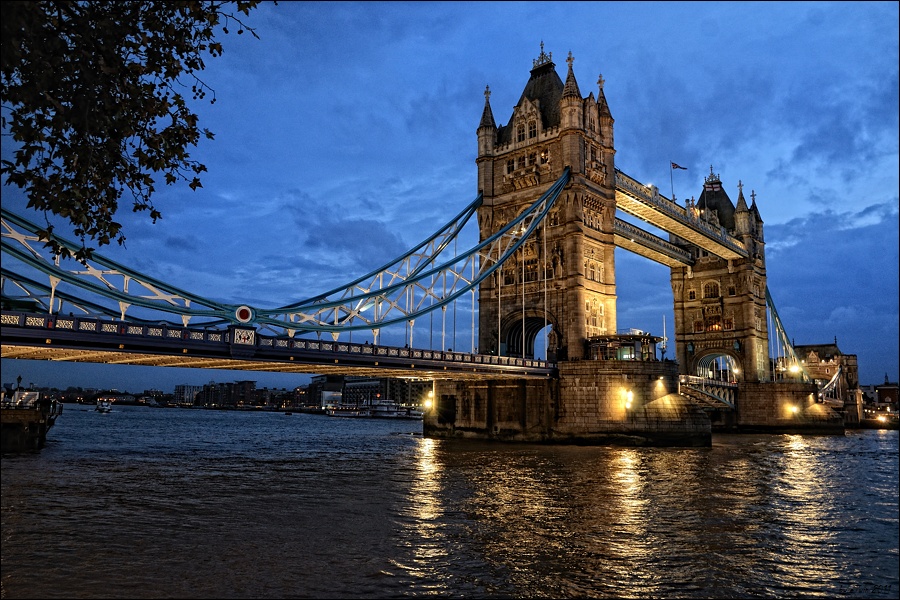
(26, 417)
(381, 410)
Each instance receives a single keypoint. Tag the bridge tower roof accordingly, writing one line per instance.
(714, 197)
(544, 88)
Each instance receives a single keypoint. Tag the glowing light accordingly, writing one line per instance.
(794, 409)
(794, 369)
(882, 418)
(629, 397)
(428, 404)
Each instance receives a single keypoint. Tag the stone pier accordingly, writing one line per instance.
(784, 407)
(593, 402)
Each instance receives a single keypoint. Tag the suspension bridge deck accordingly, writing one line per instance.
(39, 336)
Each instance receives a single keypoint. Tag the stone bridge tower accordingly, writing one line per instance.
(565, 276)
(721, 327)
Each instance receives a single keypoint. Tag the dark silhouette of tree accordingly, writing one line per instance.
(92, 101)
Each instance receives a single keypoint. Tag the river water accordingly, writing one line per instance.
(175, 503)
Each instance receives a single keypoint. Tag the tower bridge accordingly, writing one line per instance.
(543, 270)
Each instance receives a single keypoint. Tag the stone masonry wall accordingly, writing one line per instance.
(588, 404)
(784, 406)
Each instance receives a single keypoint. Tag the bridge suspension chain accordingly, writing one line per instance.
(420, 281)
(782, 355)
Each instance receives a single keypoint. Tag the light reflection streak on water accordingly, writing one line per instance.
(807, 524)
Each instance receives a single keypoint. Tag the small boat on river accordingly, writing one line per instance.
(104, 406)
(381, 410)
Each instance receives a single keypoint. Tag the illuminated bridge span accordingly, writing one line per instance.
(87, 339)
(646, 203)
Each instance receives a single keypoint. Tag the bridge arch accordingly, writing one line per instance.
(522, 331)
(720, 365)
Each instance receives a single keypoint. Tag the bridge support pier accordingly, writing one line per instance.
(784, 407)
(592, 403)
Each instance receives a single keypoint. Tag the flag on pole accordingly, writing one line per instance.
(677, 166)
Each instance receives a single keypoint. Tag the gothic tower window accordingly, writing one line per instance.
(545, 157)
(711, 290)
(532, 158)
(532, 129)
(531, 270)
(729, 324)
(698, 326)
(520, 133)
(714, 323)
(732, 291)
(692, 295)
(510, 166)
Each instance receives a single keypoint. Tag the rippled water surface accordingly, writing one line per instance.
(167, 503)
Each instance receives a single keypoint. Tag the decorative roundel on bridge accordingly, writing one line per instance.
(243, 314)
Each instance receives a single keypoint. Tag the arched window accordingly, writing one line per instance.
(520, 133)
(692, 295)
(531, 269)
(510, 166)
(714, 323)
(532, 129)
(711, 290)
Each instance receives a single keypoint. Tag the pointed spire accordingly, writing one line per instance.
(753, 209)
(741, 203)
(601, 100)
(571, 88)
(487, 116)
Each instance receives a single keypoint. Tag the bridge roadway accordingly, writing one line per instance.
(41, 336)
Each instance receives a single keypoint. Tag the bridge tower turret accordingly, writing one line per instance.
(565, 277)
(487, 141)
(720, 305)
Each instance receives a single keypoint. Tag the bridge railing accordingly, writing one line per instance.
(165, 334)
(702, 382)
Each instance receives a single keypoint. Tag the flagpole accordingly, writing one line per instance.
(672, 179)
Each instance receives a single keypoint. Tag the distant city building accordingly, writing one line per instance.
(185, 395)
(336, 390)
(886, 393)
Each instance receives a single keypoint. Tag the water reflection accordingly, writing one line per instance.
(201, 504)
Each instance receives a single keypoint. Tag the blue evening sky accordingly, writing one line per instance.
(346, 134)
